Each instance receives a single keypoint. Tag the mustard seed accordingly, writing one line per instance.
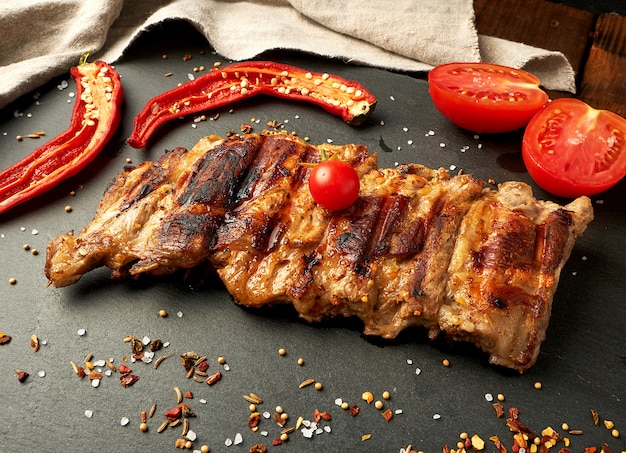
(446, 362)
(615, 433)
(143, 427)
(300, 361)
(378, 404)
(221, 360)
(163, 313)
(68, 208)
(537, 385)
(282, 352)
(386, 395)
(12, 281)
(318, 386)
(204, 449)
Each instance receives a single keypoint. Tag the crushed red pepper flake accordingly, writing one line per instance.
(4, 338)
(499, 410)
(22, 375)
(128, 379)
(123, 369)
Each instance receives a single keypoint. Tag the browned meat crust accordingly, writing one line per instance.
(418, 248)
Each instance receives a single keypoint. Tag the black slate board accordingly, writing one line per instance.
(582, 365)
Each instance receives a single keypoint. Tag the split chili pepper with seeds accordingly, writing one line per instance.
(95, 118)
(345, 98)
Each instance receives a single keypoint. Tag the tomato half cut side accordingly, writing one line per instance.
(485, 97)
(571, 149)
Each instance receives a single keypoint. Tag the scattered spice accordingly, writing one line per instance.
(4, 338)
(21, 375)
(214, 378)
(34, 343)
(388, 415)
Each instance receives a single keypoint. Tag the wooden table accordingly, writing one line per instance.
(595, 45)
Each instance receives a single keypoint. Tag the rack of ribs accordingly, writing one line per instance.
(419, 247)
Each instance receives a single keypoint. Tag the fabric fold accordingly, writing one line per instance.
(44, 38)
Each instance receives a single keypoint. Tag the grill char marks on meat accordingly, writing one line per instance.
(418, 248)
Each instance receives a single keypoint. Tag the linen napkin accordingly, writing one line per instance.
(42, 39)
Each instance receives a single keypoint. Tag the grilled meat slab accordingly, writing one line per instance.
(419, 247)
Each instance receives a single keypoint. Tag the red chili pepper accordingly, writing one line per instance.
(347, 99)
(95, 117)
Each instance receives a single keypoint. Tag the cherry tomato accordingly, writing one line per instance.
(571, 149)
(484, 97)
(334, 184)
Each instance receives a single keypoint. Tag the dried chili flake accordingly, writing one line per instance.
(354, 410)
(278, 419)
(128, 379)
(499, 410)
(21, 375)
(388, 415)
(202, 366)
(174, 414)
(4, 338)
(123, 369)
(258, 448)
(254, 420)
(214, 378)
(276, 442)
(34, 343)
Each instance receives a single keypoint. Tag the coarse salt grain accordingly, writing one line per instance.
(489, 397)
(436, 416)
(228, 442)
(88, 413)
(442, 145)
(264, 433)
(418, 371)
(238, 439)
(34, 232)
(41, 373)
(179, 314)
(124, 421)
(81, 332)
(409, 361)
(191, 435)
(338, 402)
(95, 383)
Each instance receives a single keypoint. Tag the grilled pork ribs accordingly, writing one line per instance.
(418, 248)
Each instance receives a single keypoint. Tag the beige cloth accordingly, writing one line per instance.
(42, 39)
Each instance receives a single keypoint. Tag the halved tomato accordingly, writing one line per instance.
(571, 149)
(485, 97)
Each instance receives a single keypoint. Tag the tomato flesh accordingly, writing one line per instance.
(485, 97)
(334, 184)
(571, 149)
